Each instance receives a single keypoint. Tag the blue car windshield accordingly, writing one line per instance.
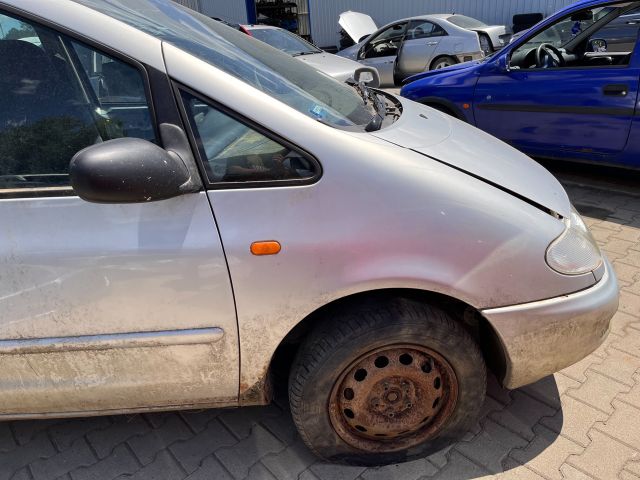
(254, 62)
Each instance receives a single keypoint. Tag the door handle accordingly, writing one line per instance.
(615, 90)
(432, 43)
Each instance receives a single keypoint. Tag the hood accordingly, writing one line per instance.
(458, 67)
(357, 25)
(351, 52)
(470, 150)
(339, 68)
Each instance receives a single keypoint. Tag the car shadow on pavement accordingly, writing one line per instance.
(262, 443)
(604, 194)
(508, 435)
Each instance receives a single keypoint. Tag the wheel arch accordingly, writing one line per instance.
(489, 341)
(441, 56)
(452, 108)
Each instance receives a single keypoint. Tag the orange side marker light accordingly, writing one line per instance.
(466, 106)
(270, 247)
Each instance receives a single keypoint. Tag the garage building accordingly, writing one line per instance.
(318, 19)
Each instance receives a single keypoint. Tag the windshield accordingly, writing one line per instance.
(284, 40)
(466, 22)
(293, 82)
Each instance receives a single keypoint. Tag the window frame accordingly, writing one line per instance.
(196, 145)
(436, 32)
(37, 21)
(579, 67)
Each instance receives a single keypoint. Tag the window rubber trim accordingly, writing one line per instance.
(17, 13)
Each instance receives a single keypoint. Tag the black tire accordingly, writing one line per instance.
(442, 62)
(331, 350)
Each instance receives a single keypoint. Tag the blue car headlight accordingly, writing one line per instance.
(575, 252)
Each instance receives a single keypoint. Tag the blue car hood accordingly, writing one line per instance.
(469, 66)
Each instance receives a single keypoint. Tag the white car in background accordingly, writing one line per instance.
(413, 45)
(340, 68)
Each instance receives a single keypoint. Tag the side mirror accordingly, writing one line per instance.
(368, 75)
(504, 63)
(598, 45)
(127, 170)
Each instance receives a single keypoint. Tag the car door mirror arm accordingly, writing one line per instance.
(176, 142)
(503, 63)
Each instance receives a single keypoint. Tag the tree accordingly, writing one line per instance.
(21, 32)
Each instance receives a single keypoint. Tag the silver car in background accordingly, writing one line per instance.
(492, 37)
(408, 46)
(186, 210)
(340, 68)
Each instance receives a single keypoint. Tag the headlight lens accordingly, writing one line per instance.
(575, 252)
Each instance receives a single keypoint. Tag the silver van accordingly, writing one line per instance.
(184, 208)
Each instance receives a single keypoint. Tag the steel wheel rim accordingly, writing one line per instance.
(392, 398)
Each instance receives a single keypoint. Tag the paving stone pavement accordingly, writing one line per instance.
(581, 423)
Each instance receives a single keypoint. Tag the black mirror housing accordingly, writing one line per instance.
(127, 170)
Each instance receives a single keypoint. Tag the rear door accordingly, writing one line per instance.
(418, 48)
(103, 307)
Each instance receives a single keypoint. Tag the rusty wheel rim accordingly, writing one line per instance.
(393, 398)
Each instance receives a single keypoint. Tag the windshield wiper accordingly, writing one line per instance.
(379, 106)
(297, 54)
(381, 111)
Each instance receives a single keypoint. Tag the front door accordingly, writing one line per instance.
(579, 105)
(102, 307)
(381, 51)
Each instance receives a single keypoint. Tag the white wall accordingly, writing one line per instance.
(230, 10)
(324, 13)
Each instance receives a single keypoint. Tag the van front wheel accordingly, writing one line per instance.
(386, 385)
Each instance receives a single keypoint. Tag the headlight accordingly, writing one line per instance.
(575, 252)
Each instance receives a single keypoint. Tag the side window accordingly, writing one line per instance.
(424, 30)
(592, 37)
(58, 96)
(13, 29)
(620, 35)
(386, 43)
(233, 152)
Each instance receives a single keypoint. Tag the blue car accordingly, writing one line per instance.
(567, 89)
